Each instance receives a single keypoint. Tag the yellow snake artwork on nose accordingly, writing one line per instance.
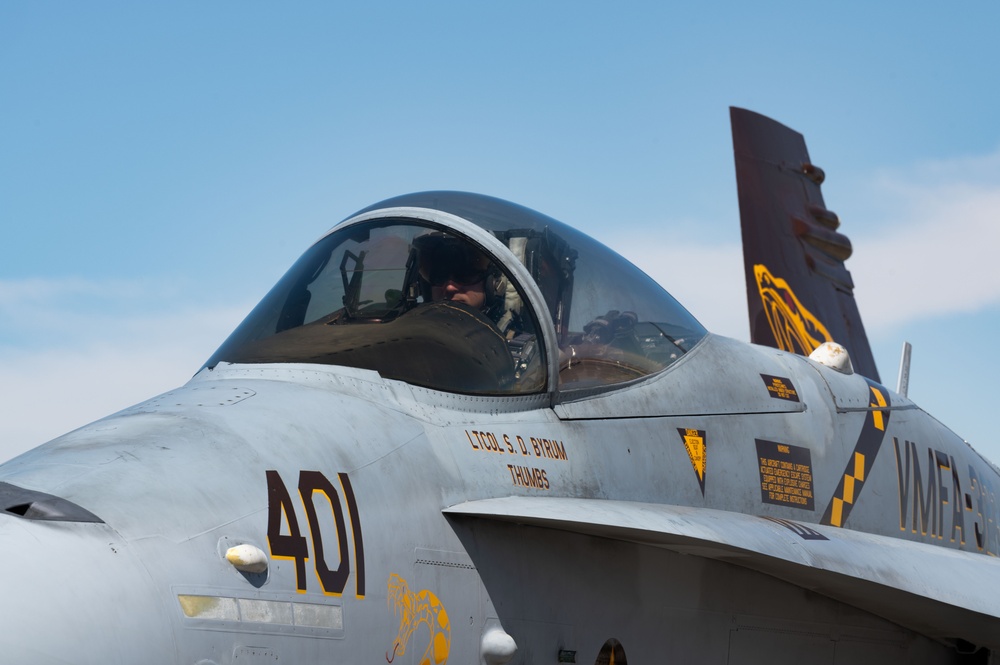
(415, 610)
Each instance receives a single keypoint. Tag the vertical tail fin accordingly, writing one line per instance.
(799, 292)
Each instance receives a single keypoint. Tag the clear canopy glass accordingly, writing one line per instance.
(419, 302)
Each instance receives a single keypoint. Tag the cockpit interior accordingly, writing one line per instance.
(468, 294)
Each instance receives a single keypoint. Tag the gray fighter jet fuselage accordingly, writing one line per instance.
(561, 466)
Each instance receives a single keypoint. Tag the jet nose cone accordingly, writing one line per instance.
(74, 593)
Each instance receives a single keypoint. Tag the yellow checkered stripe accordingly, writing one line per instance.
(858, 466)
(847, 489)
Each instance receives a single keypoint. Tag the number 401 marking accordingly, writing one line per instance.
(294, 546)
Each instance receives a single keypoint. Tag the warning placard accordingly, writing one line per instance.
(785, 474)
(778, 387)
(694, 443)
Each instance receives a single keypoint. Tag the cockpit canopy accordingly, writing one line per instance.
(462, 293)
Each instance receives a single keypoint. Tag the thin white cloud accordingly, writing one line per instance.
(26, 291)
(72, 310)
(925, 243)
(934, 251)
(104, 360)
(49, 393)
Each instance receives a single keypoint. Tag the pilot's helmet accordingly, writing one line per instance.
(442, 258)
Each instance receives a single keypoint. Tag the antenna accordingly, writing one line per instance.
(903, 384)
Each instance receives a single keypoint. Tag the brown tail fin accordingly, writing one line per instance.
(799, 292)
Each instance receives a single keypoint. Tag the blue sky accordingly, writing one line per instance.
(161, 166)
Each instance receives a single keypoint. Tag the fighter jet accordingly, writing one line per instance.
(460, 431)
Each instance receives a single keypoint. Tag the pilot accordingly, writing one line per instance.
(455, 270)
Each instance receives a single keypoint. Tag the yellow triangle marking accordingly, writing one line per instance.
(695, 446)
